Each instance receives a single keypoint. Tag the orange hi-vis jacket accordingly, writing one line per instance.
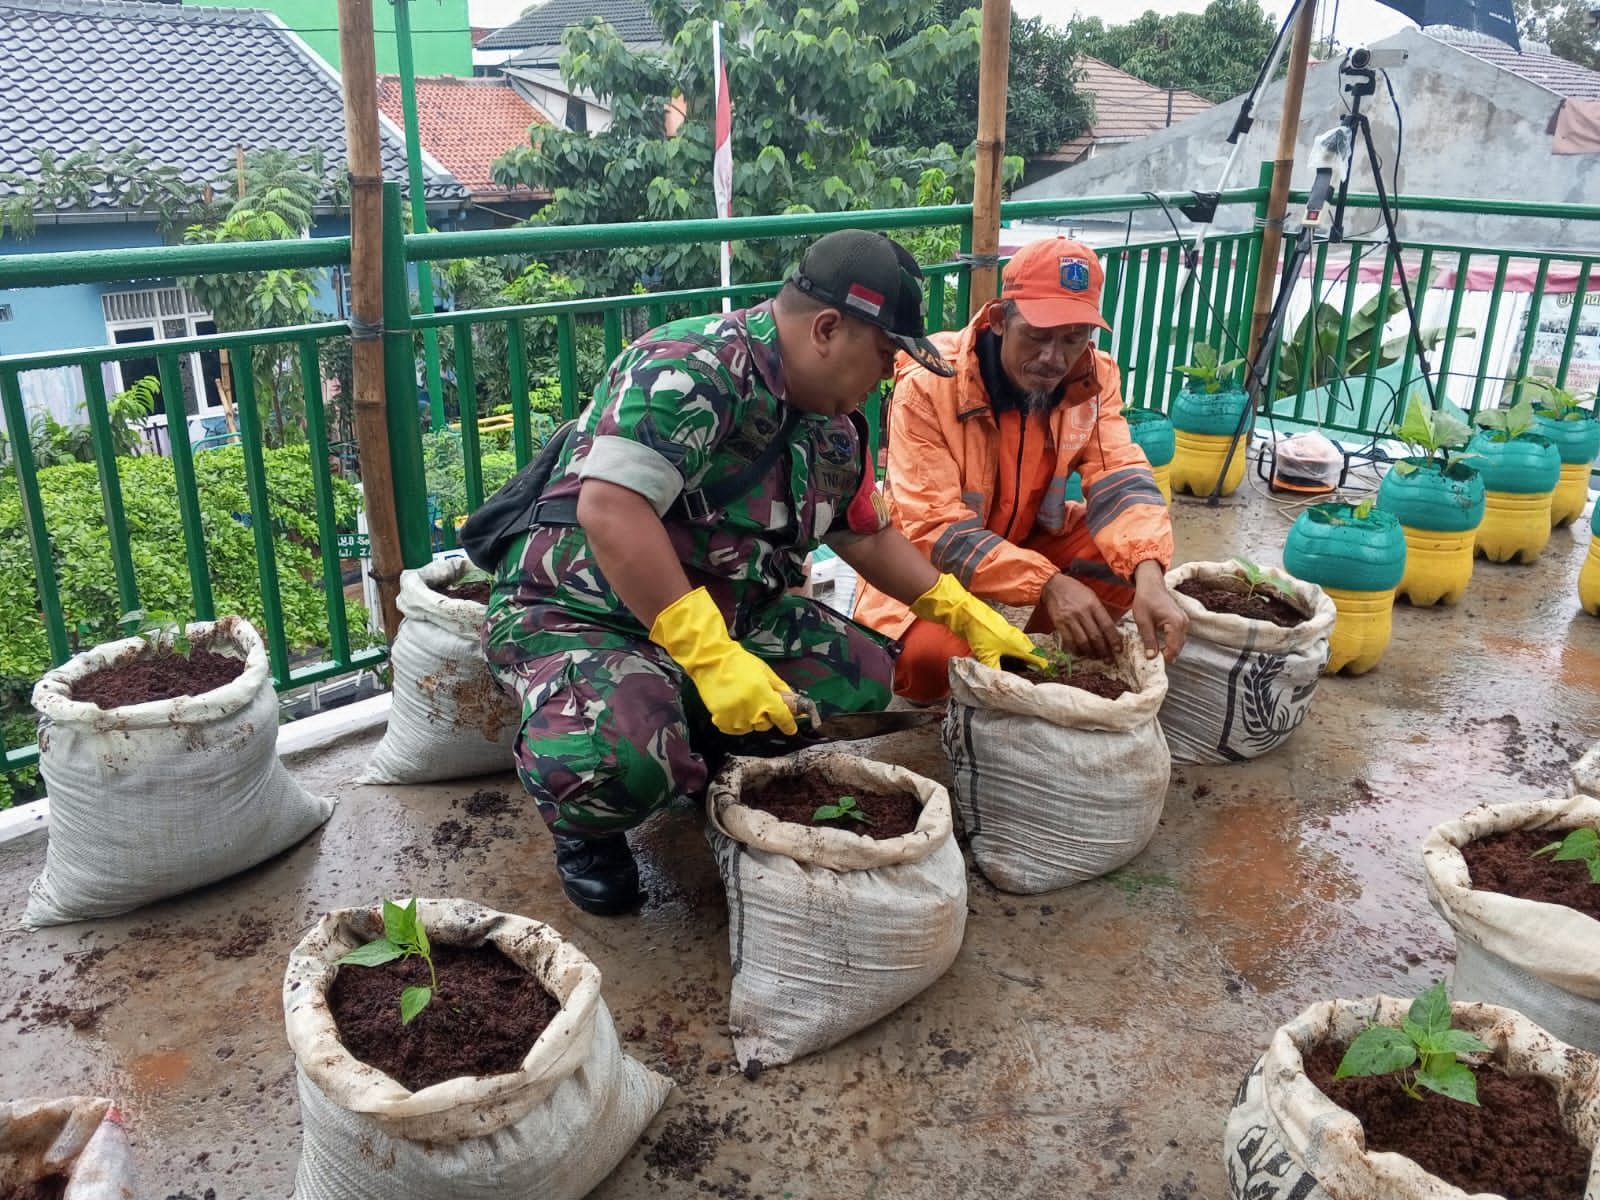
(944, 449)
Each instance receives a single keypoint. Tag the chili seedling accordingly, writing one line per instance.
(845, 806)
(1258, 578)
(1421, 1053)
(403, 936)
(160, 630)
(1581, 845)
(1432, 434)
(1208, 373)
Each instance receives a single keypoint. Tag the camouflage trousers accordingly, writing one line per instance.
(613, 731)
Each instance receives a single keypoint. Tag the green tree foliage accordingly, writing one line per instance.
(815, 91)
(1044, 108)
(1565, 26)
(1215, 53)
(74, 181)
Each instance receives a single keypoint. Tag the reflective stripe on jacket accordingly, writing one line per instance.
(943, 454)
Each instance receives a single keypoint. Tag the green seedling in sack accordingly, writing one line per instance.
(1421, 1053)
(403, 937)
(1208, 373)
(160, 630)
(1581, 845)
(1057, 663)
(1432, 434)
(845, 806)
(1258, 579)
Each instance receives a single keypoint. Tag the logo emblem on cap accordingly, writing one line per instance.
(1074, 274)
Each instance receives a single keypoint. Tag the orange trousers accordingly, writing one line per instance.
(922, 672)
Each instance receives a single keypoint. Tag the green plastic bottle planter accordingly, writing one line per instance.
(1152, 432)
(1439, 511)
(1520, 477)
(1215, 414)
(1359, 562)
(1523, 466)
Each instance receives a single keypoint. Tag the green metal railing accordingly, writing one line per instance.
(1155, 329)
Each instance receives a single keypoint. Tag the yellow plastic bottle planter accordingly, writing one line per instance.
(1589, 575)
(1358, 557)
(1519, 476)
(1439, 508)
(1577, 441)
(1163, 476)
(1203, 427)
(1571, 494)
(1151, 430)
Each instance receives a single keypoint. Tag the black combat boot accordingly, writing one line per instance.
(598, 874)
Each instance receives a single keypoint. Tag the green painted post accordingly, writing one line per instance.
(521, 423)
(467, 389)
(261, 523)
(400, 381)
(567, 357)
(322, 488)
(44, 567)
(194, 534)
(110, 489)
(419, 203)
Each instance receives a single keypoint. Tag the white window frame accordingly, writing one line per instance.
(154, 307)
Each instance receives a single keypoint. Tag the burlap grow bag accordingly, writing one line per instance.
(1586, 774)
(448, 718)
(151, 800)
(553, 1129)
(1285, 1140)
(1055, 785)
(1540, 959)
(78, 1139)
(1241, 687)
(830, 931)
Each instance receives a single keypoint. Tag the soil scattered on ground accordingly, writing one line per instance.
(1539, 756)
(252, 934)
(689, 1141)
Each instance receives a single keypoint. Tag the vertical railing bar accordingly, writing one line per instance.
(467, 395)
(44, 568)
(613, 333)
(567, 357)
(1391, 262)
(1111, 262)
(521, 425)
(1127, 322)
(964, 277)
(1579, 297)
(1151, 316)
(194, 536)
(322, 489)
(1488, 331)
(1463, 267)
(1420, 292)
(1530, 328)
(255, 475)
(105, 457)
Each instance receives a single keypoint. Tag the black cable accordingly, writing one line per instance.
(1399, 136)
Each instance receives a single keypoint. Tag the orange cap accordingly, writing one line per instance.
(1055, 281)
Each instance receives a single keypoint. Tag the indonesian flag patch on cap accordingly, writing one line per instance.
(864, 299)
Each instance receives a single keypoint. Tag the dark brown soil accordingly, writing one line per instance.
(163, 675)
(51, 1187)
(487, 802)
(796, 795)
(1263, 606)
(1504, 863)
(1088, 679)
(483, 1020)
(1511, 1144)
(477, 591)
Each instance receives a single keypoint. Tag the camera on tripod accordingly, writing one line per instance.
(1361, 58)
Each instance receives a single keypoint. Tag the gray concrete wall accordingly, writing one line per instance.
(1470, 130)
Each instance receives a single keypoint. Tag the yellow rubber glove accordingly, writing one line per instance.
(988, 633)
(742, 693)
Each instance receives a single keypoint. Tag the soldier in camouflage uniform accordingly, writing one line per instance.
(646, 621)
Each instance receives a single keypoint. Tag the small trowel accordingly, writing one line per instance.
(850, 727)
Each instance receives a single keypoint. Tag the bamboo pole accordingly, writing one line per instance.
(1294, 86)
(993, 61)
(358, 63)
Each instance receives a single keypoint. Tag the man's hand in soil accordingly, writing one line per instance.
(1079, 619)
(1156, 612)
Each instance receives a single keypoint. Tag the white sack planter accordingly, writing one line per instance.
(448, 718)
(830, 931)
(1056, 785)
(1586, 774)
(553, 1129)
(1241, 687)
(78, 1137)
(1540, 959)
(1286, 1140)
(152, 800)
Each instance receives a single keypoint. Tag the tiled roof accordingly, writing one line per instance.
(187, 84)
(466, 124)
(1535, 64)
(1125, 107)
(544, 25)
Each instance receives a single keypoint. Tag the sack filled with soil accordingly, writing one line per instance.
(153, 799)
(1054, 784)
(1246, 676)
(1285, 1138)
(830, 930)
(448, 718)
(1538, 957)
(553, 1127)
(74, 1147)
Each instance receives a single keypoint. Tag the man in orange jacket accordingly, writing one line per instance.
(978, 470)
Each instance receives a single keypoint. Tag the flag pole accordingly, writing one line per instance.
(722, 153)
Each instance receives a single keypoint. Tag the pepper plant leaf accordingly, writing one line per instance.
(412, 1001)
(1431, 1010)
(400, 924)
(828, 812)
(1378, 1050)
(1452, 1042)
(1450, 1078)
(373, 954)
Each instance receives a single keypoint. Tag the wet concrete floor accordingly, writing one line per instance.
(1085, 1045)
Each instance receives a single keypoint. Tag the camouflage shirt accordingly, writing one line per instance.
(690, 403)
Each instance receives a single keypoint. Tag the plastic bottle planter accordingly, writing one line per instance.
(1152, 432)
(1358, 562)
(1577, 442)
(1589, 576)
(1519, 477)
(1439, 512)
(1203, 426)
